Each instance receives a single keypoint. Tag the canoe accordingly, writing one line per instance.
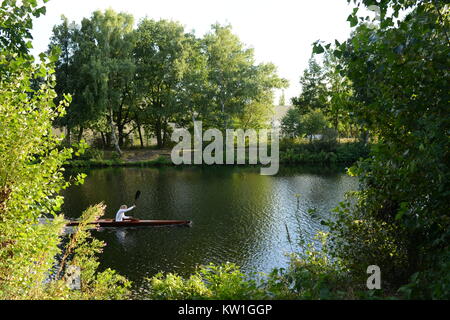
(134, 223)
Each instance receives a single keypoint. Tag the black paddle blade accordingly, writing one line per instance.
(138, 194)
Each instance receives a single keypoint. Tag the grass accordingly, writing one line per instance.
(104, 163)
(292, 153)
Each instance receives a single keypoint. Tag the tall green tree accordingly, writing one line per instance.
(339, 93)
(313, 95)
(106, 45)
(290, 124)
(237, 85)
(161, 55)
(98, 55)
(64, 38)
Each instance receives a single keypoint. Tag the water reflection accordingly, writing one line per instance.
(239, 215)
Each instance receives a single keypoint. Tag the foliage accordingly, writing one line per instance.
(322, 152)
(313, 123)
(30, 175)
(101, 163)
(310, 275)
(432, 284)
(399, 74)
(236, 85)
(328, 91)
(97, 67)
(282, 101)
(313, 84)
(222, 282)
(295, 124)
(161, 61)
(82, 251)
(128, 80)
(90, 153)
(16, 22)
(31, 178)
(290, 124)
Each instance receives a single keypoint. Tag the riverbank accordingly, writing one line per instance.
(304, 153)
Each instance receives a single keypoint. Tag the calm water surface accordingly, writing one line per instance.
(239, 216)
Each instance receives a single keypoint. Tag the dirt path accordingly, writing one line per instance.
(144, 155)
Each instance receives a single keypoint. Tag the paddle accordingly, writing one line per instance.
(137, 195)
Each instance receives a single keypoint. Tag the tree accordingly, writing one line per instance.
(194, 85)
(313, 123)
(295, 124)
(236, 85)
(259, 104)
(290, 124)
(31, 179)
(107, 42)
(161, 56)
(68, 82)
(400, 81)
(313, 95)
(339, 93)
(16, 22)
(99, 55)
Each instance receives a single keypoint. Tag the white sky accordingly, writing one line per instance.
(280, 31)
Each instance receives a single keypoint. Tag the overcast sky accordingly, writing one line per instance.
(280, 31)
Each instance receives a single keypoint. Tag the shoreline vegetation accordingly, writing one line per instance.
(388, 82)
(291, 153)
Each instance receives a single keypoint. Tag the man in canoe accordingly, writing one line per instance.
(120, 215)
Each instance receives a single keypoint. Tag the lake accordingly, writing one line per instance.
(238, 215)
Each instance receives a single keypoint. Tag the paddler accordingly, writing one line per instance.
(120, 215)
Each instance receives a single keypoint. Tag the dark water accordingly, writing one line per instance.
(239, 216)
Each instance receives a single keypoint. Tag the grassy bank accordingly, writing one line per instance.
(104, 163)
(290, 153)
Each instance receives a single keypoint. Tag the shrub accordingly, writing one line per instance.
(91, 153)
(223, 282)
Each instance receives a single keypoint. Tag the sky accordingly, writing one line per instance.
(280, 31)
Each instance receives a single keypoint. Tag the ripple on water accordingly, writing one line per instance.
(239, 216)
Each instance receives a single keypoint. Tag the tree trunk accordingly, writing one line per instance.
(80, 133)
(103, 139)
(113, 134)
(120, 130)
(140, 133)
(159, 138)
(365, 137)
(164, 139)
(69, 142)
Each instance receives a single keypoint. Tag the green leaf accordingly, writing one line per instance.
(318, 49)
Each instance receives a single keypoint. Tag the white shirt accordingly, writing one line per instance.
(120, 215)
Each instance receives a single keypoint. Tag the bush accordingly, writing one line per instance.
(91, 153)
(433, 283)
(223, 282)
(322, 152)
(310, 275)
(31, 160)
(359, 241)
